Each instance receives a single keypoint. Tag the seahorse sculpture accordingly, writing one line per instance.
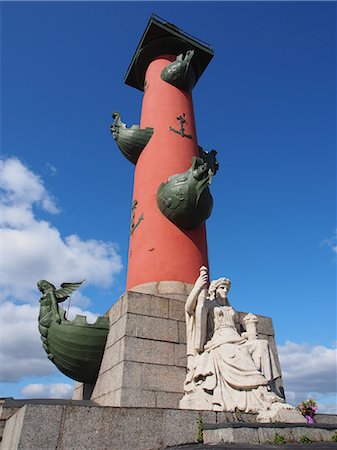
(74, 346)
(180, 72)
(185, 199)
(131, 141)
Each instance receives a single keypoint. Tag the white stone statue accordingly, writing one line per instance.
(226, 371)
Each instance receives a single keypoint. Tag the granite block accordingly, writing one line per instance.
(149, 351)
(110, 399)
(163, 378)
(148, 305)
(146, 288)
(152, 328)
(177, 310)
(78, 391)
(137, 398)
(108, 381)
(117, 330)
(12, 430)
(132, 375)
(172, 289)
(267, 435)
(180, 359)
(35, 427)
(113, 355)
(115, 311)
(167, 399)
(181, 332)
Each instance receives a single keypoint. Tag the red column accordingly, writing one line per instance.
(158, 249)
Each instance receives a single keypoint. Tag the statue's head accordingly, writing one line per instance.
(44, 284)
(219, 288)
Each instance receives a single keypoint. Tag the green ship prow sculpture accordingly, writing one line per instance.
(74, 346)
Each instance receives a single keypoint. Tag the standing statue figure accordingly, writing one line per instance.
(225, 370)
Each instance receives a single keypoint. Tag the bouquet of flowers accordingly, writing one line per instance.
(308, 409)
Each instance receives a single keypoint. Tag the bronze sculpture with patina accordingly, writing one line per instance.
(74, 346)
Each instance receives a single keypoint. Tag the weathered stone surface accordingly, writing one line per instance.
(12, 430)
(149, 305)
(163, 378)
(112, 355)
(146, 288)
(117, 331)
(180, 358)
(231, 436)
(181, 332)
(177, 310)
(172, 289)
(115, 311)
(138, 398)
(108, 381)
(153, 328)
(169, 289)
(149, 351)
(326, 418)
(167, 399)
(27, 428)
(112, 398)
(78, 391)
(71, 426)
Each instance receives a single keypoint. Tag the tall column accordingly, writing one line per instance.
(167, 232)
(159, 250)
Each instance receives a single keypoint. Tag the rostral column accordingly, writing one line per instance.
(167, 233)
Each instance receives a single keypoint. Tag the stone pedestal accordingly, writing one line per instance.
(144, 363)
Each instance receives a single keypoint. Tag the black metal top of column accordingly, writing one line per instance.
(160, 38)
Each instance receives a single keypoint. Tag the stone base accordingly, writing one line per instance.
(50, 424)
(144, 362)
(254, 433)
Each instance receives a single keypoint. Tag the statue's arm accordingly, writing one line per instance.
(200, 284)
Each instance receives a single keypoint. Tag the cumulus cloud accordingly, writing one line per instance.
(309, 371)
(57, 390)
(21, 352)
(33, 249)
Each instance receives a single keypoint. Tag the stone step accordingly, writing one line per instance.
(260, 433)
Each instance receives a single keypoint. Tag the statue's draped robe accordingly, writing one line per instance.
(225, 371)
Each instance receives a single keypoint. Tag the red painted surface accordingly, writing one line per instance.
(158, 250)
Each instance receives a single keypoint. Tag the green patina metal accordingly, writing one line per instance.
(180, 73)
(131, 141)
(181, 130)
(74, 346)
(185, 199)
(134, 225)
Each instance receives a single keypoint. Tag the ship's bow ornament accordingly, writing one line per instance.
(185, 199)
(180, 72)
(74, 346)
(131, 141)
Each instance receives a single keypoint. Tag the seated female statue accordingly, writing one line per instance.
(225, 371)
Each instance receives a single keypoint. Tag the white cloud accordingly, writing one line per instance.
(57, 390)
(20, 186)
(21, 352)
(309, 371)
(34, 249)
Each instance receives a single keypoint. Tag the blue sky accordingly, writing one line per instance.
(267, 103)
